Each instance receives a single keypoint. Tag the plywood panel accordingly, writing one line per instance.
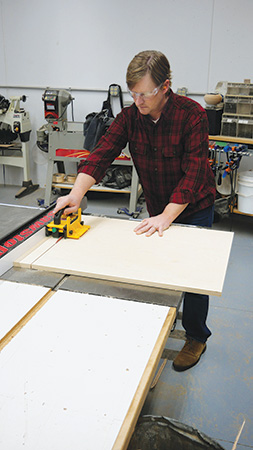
(185, 258)
(16, 299)
(68, 378)
(30, 256)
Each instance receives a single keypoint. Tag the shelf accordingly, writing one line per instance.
(10, 146)
(238, 115)
(237, 140)
(99, 188)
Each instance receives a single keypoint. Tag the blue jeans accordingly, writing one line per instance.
(195, 306)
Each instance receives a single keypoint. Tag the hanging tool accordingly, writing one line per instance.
(234, 156)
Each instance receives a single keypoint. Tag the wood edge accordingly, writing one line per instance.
(134, 410)
(36, 265)
(21, 265)
(18, 261)
(235, 139)
(25, 319)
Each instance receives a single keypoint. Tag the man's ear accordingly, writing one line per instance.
(166, 86)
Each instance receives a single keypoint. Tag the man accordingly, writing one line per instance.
(168, 142)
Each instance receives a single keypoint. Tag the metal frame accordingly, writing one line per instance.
(17, 161)
(72, 138)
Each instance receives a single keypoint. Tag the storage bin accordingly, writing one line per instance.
(233, 88)
(244, 105)
(245, 128)
(240, 89)
(230, 104)
(229, 125)
(237, 119)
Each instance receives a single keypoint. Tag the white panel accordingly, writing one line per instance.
(2, 52)
(68, 378)
(89, 44)
(16, 299)
(231, 44)
(185, 258)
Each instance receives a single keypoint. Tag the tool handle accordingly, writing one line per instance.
(57, 216)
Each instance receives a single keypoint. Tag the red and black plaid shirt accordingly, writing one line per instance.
(170, 156)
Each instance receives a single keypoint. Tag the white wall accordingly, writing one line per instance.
(87, 45)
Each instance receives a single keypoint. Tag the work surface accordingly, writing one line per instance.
(186, 258)
(15, 301)
(12, 215)
(77, 373)
(86, 362)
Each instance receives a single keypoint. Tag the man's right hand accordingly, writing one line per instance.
(70, 202)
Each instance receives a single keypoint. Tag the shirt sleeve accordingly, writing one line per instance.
(195, 165)
(106, 151)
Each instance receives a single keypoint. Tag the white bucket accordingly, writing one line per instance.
(245, 192)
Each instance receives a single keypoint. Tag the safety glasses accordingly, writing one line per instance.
(145, 95)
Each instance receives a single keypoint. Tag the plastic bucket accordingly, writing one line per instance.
(245, 192)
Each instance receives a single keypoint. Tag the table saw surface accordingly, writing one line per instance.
(77, 373)
(78, 365)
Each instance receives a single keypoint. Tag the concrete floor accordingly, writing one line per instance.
(216, 395)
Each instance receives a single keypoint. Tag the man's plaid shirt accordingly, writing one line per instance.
(170, 156)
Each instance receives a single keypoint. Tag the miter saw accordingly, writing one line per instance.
(15, 130)
(56, 102)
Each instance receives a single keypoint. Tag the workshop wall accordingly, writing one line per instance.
(86, 46)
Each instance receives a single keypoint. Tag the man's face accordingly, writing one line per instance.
(151, 104)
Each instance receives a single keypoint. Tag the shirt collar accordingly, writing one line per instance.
(169, 103)
(166, 109)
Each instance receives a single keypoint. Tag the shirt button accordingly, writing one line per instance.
(156, 169)
(155, 149)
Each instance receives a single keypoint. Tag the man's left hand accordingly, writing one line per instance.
(152, 224)
(161, 222)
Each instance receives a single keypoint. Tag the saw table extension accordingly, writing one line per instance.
(87, 339)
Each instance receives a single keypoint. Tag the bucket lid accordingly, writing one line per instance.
(246, 176)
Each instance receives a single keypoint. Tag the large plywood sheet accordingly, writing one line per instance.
(186, 258)
(16, 299)
(74, 373)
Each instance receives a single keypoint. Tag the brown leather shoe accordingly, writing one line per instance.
(189, 355)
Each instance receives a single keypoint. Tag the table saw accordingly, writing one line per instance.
(79, 355)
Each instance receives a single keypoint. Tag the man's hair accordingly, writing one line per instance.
(149, 61)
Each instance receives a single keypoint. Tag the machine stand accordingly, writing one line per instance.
(27, 188)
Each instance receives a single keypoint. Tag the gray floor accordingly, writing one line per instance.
(216, 395)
